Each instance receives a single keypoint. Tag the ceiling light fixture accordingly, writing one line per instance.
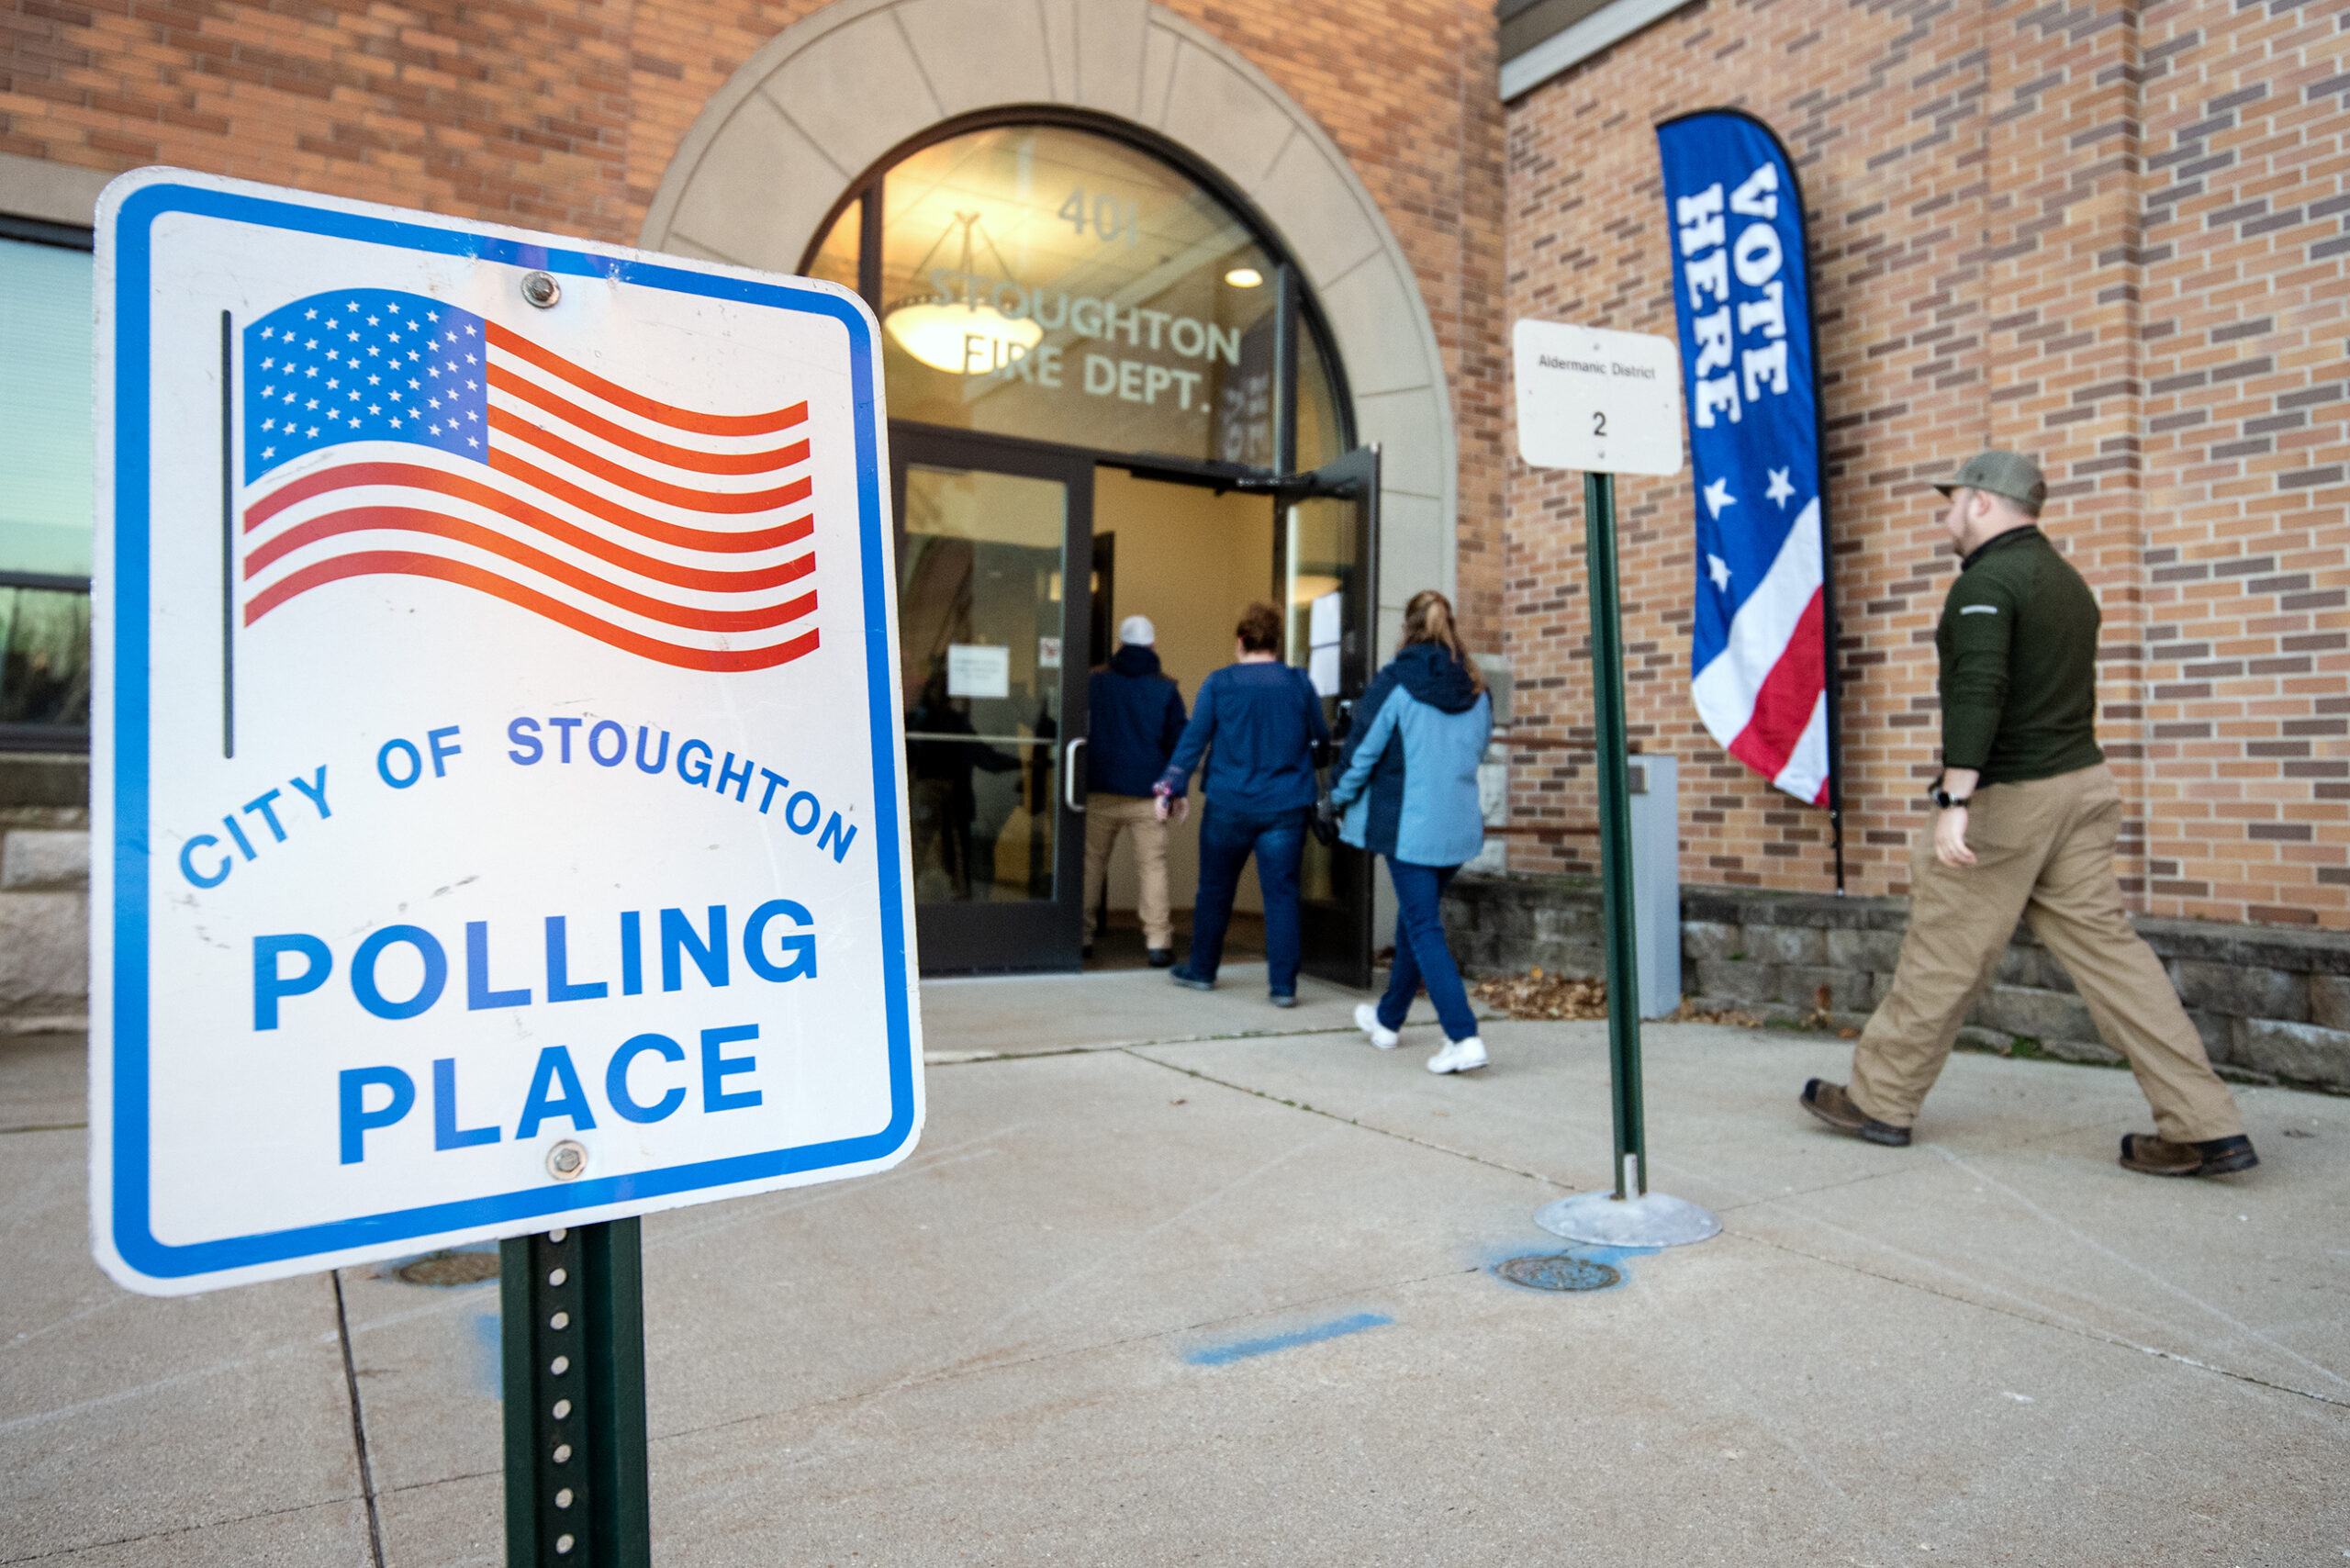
(966, 336)
(1243, 277)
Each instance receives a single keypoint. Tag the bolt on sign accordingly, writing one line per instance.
(498, 799)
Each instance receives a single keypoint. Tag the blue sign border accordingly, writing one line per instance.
(133, 1173)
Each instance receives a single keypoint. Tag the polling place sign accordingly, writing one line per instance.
(497, 782)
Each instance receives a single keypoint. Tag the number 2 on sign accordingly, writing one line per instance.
(1598, 422)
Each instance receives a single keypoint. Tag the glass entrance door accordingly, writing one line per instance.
(993, 562)
(1325, 536)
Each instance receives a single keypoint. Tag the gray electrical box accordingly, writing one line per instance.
(1656, 882)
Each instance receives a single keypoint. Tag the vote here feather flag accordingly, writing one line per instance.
(388, 432)
(1742, 293)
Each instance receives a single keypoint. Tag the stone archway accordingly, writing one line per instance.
(821, 101)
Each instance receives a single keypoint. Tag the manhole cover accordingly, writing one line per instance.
(1559, 1273)
(452, 1269)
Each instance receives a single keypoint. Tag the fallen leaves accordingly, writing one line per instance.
(1736, 1018)
(1538, 995)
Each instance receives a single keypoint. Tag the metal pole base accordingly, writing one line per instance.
(1602, 1219)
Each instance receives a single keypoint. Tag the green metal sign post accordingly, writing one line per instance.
(1615, 834)
(1631, 1216)
(573, 1337)
(1606, 402)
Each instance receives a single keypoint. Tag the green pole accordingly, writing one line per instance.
(572, 1303)
(1615, 834)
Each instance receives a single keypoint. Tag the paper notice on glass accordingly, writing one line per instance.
(1329, 612)
(1048, 653)
(973, 670)
(1324, 669)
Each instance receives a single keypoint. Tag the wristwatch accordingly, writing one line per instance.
(1945, 800)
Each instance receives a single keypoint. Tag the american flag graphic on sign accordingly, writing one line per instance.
(388, 432)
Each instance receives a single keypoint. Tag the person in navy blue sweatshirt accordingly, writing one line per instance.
(1258, 723)
(1135, 716)
(1407, 783)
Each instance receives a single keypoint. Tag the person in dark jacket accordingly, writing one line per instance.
(1408, 784)
(941, 794)
(1263, 719)
(1135, 717)
(2027, 817)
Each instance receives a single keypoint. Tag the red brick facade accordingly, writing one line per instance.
(2111, 238)
(565, 117)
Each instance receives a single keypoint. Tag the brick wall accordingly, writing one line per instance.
(2111, 238)
(564, 117)
(2273, 1006)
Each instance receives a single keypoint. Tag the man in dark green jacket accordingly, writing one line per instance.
(2027, 817)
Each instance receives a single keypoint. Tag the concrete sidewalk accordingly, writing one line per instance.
(1208, 1295)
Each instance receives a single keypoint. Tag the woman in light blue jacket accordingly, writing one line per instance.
(1409, 786)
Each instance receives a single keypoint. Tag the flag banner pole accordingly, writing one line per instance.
(1762, 653)
(572, 1305)
(228, 535)
(1631, 1216)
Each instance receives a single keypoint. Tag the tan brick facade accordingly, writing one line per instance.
(2111, 238)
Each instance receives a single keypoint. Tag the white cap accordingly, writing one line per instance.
(1137, 630)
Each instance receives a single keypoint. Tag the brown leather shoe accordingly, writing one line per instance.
(2153, 1155)
(1831, 1104)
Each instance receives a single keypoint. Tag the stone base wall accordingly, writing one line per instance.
(44, 918)
(2273, 1004)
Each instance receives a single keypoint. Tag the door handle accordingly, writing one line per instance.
(1068, 778)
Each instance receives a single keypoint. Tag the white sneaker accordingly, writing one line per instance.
(1367, 1020)
(1459, 1056)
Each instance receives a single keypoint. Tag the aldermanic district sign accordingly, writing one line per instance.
(1604, 401)
(497, 791)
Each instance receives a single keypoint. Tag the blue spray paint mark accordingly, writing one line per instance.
(1617, 1256)
(1224, 1355)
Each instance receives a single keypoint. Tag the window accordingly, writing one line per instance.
(1067, 285)
(46, 502)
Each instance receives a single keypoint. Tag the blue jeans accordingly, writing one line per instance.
(1226, 840)
(1420, 953)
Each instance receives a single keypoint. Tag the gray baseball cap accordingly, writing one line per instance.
(2008, 474)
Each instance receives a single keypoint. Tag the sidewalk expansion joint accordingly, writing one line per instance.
(964, 1058)
(1350, 1121)
(358, 1422)
(77, 1549)
(936, 1375)
(2082, 1331)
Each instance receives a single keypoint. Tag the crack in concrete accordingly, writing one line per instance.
(2144, 1273)
(2075, 1326)
(966, 1058)
(358, 1422)
(1348, 1121)
(944, 1374)
(176, 1530)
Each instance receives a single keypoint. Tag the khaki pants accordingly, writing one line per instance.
(1106, 816)
(2044, 852)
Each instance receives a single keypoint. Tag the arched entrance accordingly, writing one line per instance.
(1115, 386)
